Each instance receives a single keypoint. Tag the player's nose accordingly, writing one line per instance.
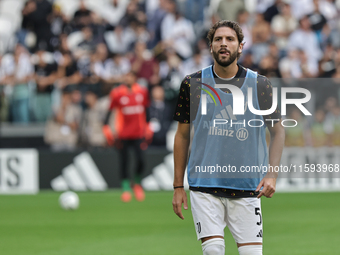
(224, 42)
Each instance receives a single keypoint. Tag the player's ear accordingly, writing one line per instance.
(240, 48)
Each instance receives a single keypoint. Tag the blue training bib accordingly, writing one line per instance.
(226, 151)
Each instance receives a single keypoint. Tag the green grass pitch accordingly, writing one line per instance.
(304, 223)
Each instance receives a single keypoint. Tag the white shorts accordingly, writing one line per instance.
(212, 214)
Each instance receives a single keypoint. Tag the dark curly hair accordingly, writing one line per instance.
(226, 23)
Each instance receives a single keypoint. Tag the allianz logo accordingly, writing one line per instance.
(234, 129)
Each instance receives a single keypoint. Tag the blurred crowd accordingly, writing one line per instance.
(63, 63)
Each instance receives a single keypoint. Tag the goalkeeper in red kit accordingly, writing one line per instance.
(130, 101)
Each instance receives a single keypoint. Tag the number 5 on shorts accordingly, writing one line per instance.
(257, 212)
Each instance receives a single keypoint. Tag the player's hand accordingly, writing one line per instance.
(108, 135)
(180, 197)
(268, 184)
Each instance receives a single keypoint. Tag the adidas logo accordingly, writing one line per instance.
(82, 175)
(259, 234)
(162, 176)
(225, 112)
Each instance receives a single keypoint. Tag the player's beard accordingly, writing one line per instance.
(225, 62)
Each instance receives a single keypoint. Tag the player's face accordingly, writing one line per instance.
(225, 46)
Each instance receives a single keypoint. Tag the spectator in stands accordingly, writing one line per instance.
(317, 20)
(7, 66)
(100, 63)
(261, 35)
(329, 8)
(272, 11)
(261, 30)
(59, 24)
(269, 65)
(144, 65)
(283, 25)
(35, 18)
(20, 72)
(98, 26)
(141, 33)
(171, 75)
(63, 46)
(327, 64)
(114, 12)
(170, 69)
(289, 65)
(61, 131)
(68, 73)
(120, 40)
(92, 122)
(82, 17)
(154, 24)
(308, 69)
(89, 78)
(296, 65)
(177, 32)
(302, 8)
(203, 47)
(194, 10)
(263, 5)
(27, 20)
(45, 76)
(247, 61)
(88, 45)
(195, 63)
(160, 116)
(303, 34)
(228, 9)
(133, 14)
(116, 67)
(243, 20)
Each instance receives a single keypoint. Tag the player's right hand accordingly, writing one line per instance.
(180, 197)
(108, 135)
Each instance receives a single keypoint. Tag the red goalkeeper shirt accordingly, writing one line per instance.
(130, 118)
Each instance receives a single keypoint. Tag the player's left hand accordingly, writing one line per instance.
(179, 198)
(268, 184)
(108, 135)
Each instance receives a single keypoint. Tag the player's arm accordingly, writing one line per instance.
(277, 140)
(277, 136)
(181, 147)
